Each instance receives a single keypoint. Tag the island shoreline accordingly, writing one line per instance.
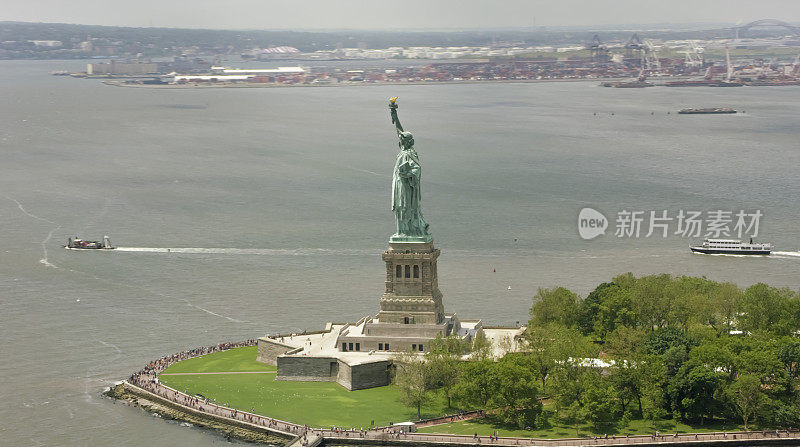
(276, 432)
(169, 410)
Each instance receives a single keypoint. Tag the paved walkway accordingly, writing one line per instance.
(220, 372)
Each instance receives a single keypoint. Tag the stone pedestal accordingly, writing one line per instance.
(412, 293)
(411, 306)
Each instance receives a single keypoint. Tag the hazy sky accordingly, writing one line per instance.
(382, 14)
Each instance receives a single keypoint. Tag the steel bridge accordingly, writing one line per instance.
(771, 23)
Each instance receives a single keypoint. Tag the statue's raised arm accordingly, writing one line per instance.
(393, 111)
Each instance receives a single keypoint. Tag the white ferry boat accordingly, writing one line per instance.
(731, 247)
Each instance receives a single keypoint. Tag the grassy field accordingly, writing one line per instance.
(239, 359)
(636, 427)
(323, 404)
(318, 404)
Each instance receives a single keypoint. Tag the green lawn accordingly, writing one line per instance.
(239, 359)
(636, 427)
(318, 404)
(322, 404)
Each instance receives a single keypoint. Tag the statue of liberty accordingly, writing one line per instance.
(406, 193)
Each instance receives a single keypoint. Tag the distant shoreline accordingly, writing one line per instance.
(116, 83)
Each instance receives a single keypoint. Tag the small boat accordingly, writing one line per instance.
(80, 244)
(706, 111)
(731, 247)
(627, 84)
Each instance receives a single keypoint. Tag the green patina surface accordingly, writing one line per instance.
(318, 404)
(407, 187)
(234, 360)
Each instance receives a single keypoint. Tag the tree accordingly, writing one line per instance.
(625, 342)
(654, 391)
(413, 381)
(514, 390)
(481, 347)
(784, 415)
(616, 307)
(573, 415)
(763, 362)
(589, 308)
(766, 308)
(746, 395)
(697, 391)
(716, 354)
(653, 299)
(624, 346)
(599, 403)
(547, 346)
(789, 354)
(726, 300)
(473, 388)
(628, 381)
(661, 340)
(557, 305)
(451, 345)
(443, 357)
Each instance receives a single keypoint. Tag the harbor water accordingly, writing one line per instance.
(241, 212)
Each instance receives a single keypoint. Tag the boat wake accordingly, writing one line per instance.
(244, 251)
(46, 239)
(44, 248)
(153, 292)
(789, 254)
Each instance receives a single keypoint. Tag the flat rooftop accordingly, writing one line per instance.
(323, 344)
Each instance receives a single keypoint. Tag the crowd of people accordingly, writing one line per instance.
(156, 367)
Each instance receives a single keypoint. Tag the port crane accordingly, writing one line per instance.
(728, 64)
(597, 50)
(796, 63)
(694, 55)
(650, 56)
(633, 45)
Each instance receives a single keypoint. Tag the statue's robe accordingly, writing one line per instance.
(406, 195)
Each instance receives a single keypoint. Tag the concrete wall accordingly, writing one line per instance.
(308, 369)
(330, 369)
(369, 375)
(404, 330)
(269, 350)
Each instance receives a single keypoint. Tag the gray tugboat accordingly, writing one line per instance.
(731, 247)
(80, 244)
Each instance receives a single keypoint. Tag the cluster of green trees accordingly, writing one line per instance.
(508, 385)
(657, 348)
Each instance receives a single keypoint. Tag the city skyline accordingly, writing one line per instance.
(410, 15)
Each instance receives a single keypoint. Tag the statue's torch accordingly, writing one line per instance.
(393, 108)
